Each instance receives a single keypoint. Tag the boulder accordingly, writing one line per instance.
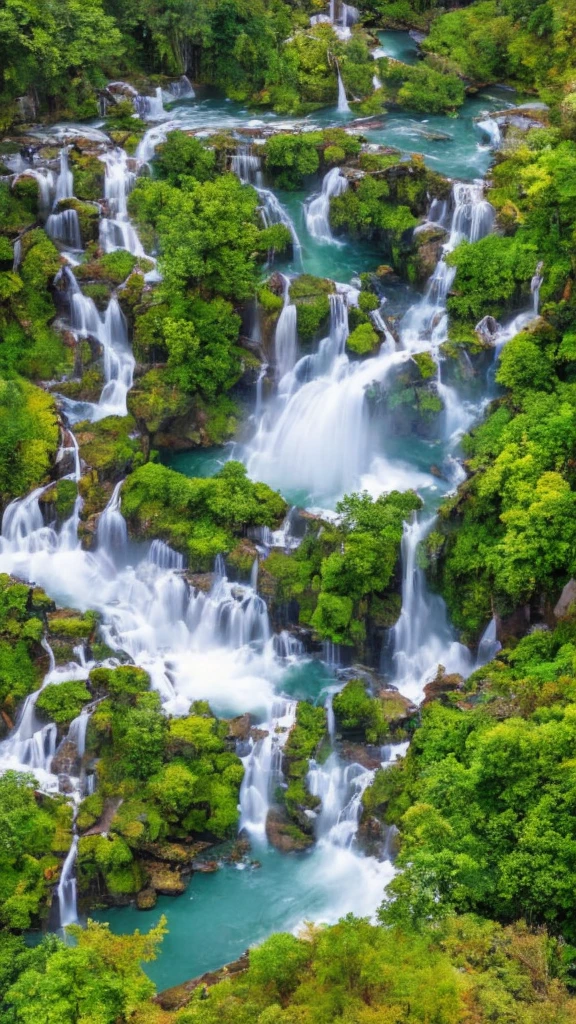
(146, 899)
(442, 684)
(566, 600)
(283, 835)
(164, 880)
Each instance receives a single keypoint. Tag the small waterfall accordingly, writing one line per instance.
(422, 638)
(112, 533)
(535, 285)
(316, 436)
(340, 788)
(165, 557)
(318, 210)
(286, 337)
(116, 230)
(46, 188)
(182, 89)
(376, 83)
(247, 166)
(150, 108)
(263, 768)
(492, 130)
(343, 107)
(489, 644)
(67, 887)
(65, 179)
(64, 227)
(472, 219)
(112, 333)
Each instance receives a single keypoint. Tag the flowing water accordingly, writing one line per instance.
(315, 438)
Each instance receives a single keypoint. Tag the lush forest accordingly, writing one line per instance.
(147, 280)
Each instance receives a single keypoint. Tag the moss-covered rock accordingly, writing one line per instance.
(88, 172)
(310, 296)
(88, 217)
(363, 340)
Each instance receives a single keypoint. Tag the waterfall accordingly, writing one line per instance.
(116, 230)
(376, 83)
(112, 332)
(64, 227)
(340, 788)
(492, 130)
(67, 887)
(285, 337)
(343, 107)
(263, 768)
(472, 219)
(316, 437)
(535, 285)
(247, 167)
(112, 534)
(489, 644)
(318, 209)
(150, 108)
(422, 638)
(182, 89)
(65, 179)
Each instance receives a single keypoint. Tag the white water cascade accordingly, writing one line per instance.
(62, 225)
(489, 644)
(318, 209)
(263, 768)
(116, 230)
(286, 337)
(422, 638)
(316, 436)
(340, 787)
(492, 130)
(111, 332)
(247, 166)
(343, 107)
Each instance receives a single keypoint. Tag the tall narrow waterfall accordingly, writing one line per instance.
(422, 638)
(247, 167)
(318, 209)
(286, 338)
(343, 107)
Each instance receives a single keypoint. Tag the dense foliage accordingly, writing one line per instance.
(200, 517)
(342, 575)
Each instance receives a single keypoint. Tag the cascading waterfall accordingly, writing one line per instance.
(318, 209)
(492, 130)
(263, 768)
(111, 332)
(286, 337)
(422, 638)
(63, 225)
(343, 107)
(339, 787)
(489, 644)
(316, 436)
(247, 167)
(116, 230)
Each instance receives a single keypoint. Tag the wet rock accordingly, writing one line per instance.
(283, 835)
(205, 867)
(180, 995)
(239, 850)
(275, 284)
(359, 753)
(488, 329)
(64, 760)
(163, 879)
(566, 601)
(442, 684)
(428, 242)
(200, 580)
(146, 899)
(239, 728)
(398, 710)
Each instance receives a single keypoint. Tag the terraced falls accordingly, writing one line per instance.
(288, 541)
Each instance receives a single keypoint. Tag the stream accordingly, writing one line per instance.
(313, 440)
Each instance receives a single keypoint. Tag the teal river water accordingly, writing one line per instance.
(221, 914)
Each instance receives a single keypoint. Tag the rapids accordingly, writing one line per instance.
(313, 438)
